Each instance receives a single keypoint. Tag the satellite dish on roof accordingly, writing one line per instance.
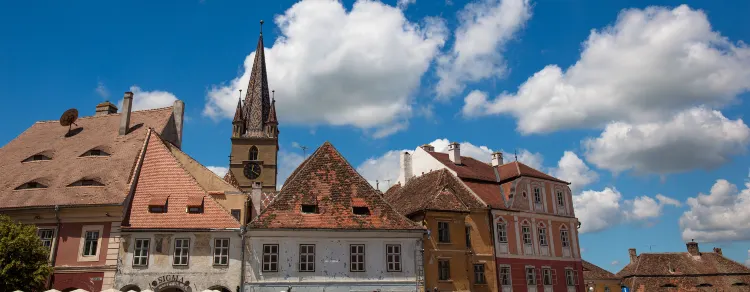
(69, 117)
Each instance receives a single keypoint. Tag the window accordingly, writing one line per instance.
(547, 276)
(91, 240)
(571, 278)
(311, 209)
(542, 235)
(393, 257)
(606, 289)
(140, 254)
(468, 236)
(47, 236)
(443, 232)
(181, 252)
(31, 185)
(221, 251)
(270, 257)
(669, 285)
(505, 276)
(444, 270)
(560, 199)
(537, 195)
(564, 238)
(502, 232)
(704, 285)
(195, 209)
(360, 210)
(357, 256)
(306, 257)
(530, 276)
(479, 274)
(236, 213)
(95, 152)
(37, 157)
(253, 153)
(743, 284)
(526, 234)
(85, 183)
(157, 209)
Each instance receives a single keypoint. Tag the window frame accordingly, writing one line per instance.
(542, 234)
(353, 254)
(560, 199)
(444, 265)
(480, 274)
(526, 237)
(304, 258)
(184, 252)
(393, 259)
(223, 251)
(136, 256)
(537, 195)
(502, 235)
(547, 275)
(271, 261)
(564, 238)
(253, 152)
(509, 276)
(239, 214)
(444, 234)
(530, 278)
(82, 243)
(571, 277)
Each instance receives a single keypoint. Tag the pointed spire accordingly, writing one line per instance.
(257, 99)
(238, 111)
(272, 113)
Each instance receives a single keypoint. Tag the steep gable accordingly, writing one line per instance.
(437, 190)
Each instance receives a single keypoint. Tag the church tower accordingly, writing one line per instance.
(255, 133)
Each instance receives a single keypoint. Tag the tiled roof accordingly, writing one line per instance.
(683, 264)
(229, 178)
(161, 175)
(471, 168)
(328, 180)
(438, 190)
(66, 165)
(392, 190)
(594, 272)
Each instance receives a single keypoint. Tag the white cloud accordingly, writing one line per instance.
(143, 100)
(644, 208)
(485, 27)
(664, 200)
(288, 162)
(747, 262)
(403, 4)
(697, 138)
(649, 65)
(572, 169)
(720, 215)
(102, 90)
(615, 262)
(599, 210)
(357, 67)
(218, 170)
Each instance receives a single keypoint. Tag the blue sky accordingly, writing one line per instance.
(647, 102)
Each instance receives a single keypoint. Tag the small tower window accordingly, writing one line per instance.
(85, 183)
(95, 152)
(31, 185)
(253, 153)
(37, 157)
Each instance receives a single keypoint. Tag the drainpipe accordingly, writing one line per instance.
(242, 256)
(494, 252)
(57, 243)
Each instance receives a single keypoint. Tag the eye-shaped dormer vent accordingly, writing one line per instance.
(31, 185)
(95, 152)
(86, 183)
(37, 157)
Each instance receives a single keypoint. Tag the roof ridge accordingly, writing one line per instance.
(107, 115)
(200, 164)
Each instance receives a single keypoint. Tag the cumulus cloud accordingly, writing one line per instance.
(720, 215)
(403, 4)
(143, 100)
(647, 66)
(599, 210)
(615, 262)
(218, 170)
(572, 169)
(485, 27)
(696, 138)
(357, 67)
(288, 162)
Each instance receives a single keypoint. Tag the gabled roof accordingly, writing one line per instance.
(683, 264)
(471, 168)
(594, 272)
(438, 190)
(161, 177)
(67, 166)
(327, 180)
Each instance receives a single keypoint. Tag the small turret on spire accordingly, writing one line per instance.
(272, 112)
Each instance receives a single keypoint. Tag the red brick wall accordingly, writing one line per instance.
(69, 238)
(518, 272)
(84, 281)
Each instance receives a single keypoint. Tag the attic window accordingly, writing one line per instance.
(669, 285)
(37, 157)
(704, 285)
(310, 209)
(86, 182)
(195, 205)
(31, 185)
(158, 204)
(94, 152)
(361, 210)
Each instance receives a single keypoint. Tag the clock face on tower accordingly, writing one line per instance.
(252, 170)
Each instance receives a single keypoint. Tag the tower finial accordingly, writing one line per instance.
(273, 94)
(240, 94)
(261, 26)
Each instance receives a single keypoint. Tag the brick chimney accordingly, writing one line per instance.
(256, 195)
(717, 250)
(178, 112)
(633, 255)
(405, 167)
(127, 106)
(692, 248)
(497, 159)
(427, 147)
(105, 108)
(454, 152)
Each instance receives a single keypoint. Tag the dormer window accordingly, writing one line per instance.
(86, 183)
(158, 204)
(669, 285)
(94, 152)
(195, 205)
(31, 185)
(742, 284)
(310, 209)
(37, 157)
(704, 285)
(361, 210)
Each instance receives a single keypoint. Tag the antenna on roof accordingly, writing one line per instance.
(377, 185)
(304, 151)
(515, 154)
(650, 245)
(388, 181)
(69, 118)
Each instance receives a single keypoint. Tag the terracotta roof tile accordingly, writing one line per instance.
(195, 201)
(158, 200)
(594, 272)
(328, 178)
(229, 178)
(162, 175)
(438, 190)
(471, 168)
(67, 165)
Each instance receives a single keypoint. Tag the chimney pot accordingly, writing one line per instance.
(633, 255)
(105, 108)
(717, 250)
(428, 148)
(127, 105)
(692, 248)
(454, 152)
(178, 111)
(407, 172)
(497, 159)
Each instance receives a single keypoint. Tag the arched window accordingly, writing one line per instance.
(502, 231)
(37, 157)
(526, 231)
(564, 237)
(542, 234)
(95, 152)
(31, 185)
(253, 153)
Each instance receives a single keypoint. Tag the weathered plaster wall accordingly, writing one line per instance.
(422, 162)
(332, 263)
(200, 271)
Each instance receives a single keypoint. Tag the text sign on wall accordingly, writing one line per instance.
(176, 281)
